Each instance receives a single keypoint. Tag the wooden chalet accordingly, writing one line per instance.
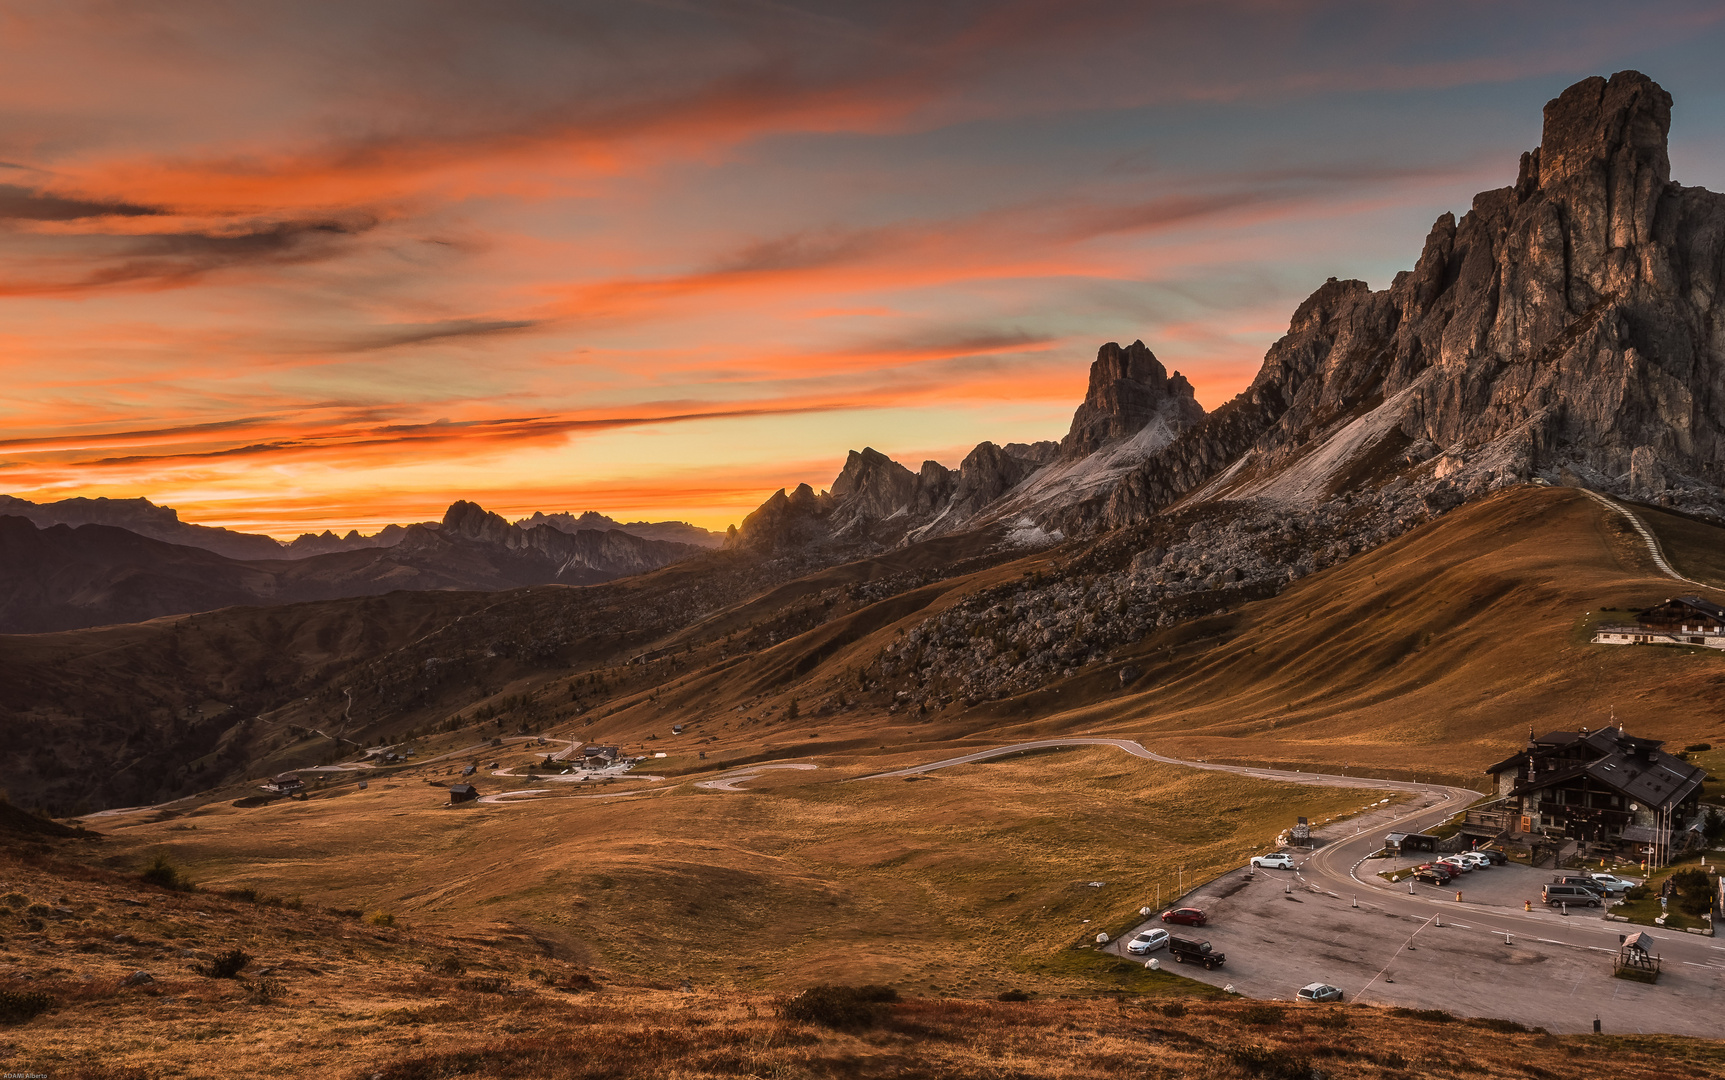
(286, 784)
(1606, 788)
(1682, 620)
(460, 793)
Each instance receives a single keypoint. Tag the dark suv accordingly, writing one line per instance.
(1432, 875)
(1193, 951)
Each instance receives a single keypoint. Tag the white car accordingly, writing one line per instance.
(1318, 992)
(1458, 862)
(1612, 884)
(1475, 860)
(1279, 861)
(1148, 941)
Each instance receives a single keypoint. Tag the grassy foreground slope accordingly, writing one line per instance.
(329, 995)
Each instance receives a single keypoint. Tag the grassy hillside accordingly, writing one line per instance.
(331, 994)
(969, 881)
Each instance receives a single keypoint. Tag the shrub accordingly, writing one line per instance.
(15, 900)
(1266, 1015)
(1697, 748)
(380, 918)
(1271, 1063)
(1505, 1027)
(266, 991)
(227, 965)
(450, 966)
(246, 895)
(1432, 1016)
(17, 1006)
(1175, 1009)
(1013, 995)
(838, 1006)
(1334, 1019)
(164, 873)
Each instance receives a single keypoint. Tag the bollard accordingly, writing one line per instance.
(1410, 886)
(1509, 939)
(1458, 896)
(1596, 1025)
(1437, 920)
(1565, 906)
(1356, 901)
(1287, 890)
(1527, 905)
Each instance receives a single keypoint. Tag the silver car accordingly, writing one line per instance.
(1148, 941)
(1318, 992)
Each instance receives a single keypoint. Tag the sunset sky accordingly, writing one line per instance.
(289, 266)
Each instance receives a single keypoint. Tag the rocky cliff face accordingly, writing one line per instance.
(1567, 327)
(610, 552)
(1132, 408)
(1129, 389)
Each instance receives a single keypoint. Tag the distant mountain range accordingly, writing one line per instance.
(163, 523)
(64, 577)
(1565, 331)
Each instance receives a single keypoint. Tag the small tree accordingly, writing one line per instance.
(164, 873)
(792, 711)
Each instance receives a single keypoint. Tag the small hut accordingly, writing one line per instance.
(460, 793)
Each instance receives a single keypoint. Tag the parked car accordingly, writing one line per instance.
(1497, 857)
(1318, 992)
(1578, 895)
(1462, 865)
(1431, 876)
(1193, 951)
(1475, 860)
(1189, 916)
(1583, 880)
(1148, 941)
(1279, 861)
(1614, 885)
(1444, 871)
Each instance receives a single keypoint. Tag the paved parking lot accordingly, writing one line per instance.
(1483, 956)
(1499, 886)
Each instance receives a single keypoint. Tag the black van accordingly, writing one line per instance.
(1190, 951)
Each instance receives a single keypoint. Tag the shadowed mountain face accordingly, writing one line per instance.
(62, 578)
(1132, 408)
(1566, 328)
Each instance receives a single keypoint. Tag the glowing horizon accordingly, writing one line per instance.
(338, 265)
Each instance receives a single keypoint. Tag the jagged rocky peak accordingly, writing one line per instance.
(874, 485)
(1129, 389)
(470, 521)
(1565, 328)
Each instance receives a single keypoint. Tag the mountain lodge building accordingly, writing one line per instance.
(1683, 620)
(1606, 788)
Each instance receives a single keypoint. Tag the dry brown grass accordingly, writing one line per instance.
(969, 881)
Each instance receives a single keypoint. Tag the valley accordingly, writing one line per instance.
(881, 776)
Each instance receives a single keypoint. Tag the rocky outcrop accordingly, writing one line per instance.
(1129, 389)
(1133, 408)
(1568, 326)
(610, 552)
(680, 532)
(144, 518)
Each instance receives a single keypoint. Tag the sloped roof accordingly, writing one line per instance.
(1633, 766)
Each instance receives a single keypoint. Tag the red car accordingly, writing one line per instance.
(1191, 916)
